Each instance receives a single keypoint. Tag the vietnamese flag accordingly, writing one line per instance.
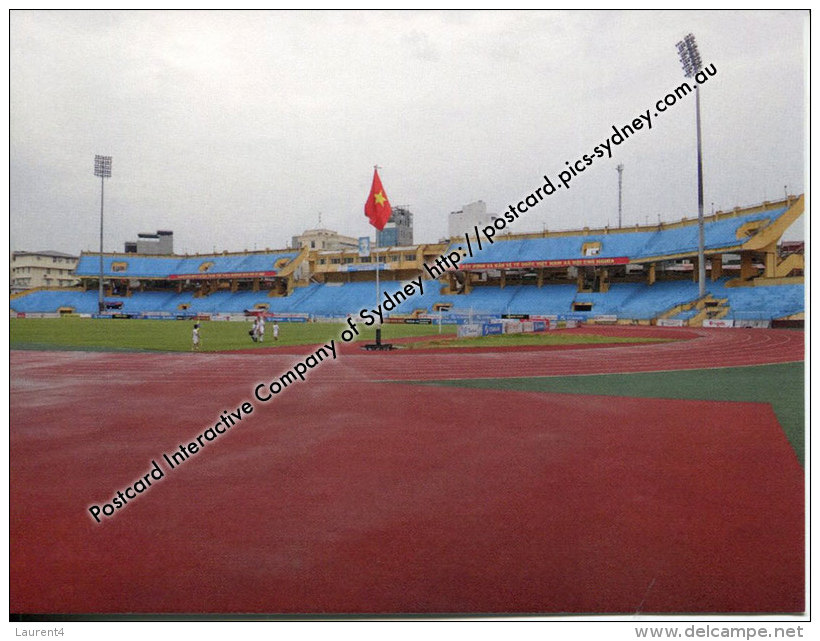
(377, 207)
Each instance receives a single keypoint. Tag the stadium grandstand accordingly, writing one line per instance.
(642, 274)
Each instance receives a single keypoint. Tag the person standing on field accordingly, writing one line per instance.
(275, 331)
(260, 329)
(195, 338)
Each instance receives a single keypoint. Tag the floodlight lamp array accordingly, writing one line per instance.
(102, 166)
(689, 55)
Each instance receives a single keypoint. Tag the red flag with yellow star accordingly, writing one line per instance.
(377, 208)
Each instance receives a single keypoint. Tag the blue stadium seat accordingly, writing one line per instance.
(626, 300)
(629, 244)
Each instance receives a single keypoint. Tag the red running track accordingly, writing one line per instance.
(347, 495)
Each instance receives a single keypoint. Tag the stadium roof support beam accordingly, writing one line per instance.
(717, 266)
(288, 269)
(774, 231)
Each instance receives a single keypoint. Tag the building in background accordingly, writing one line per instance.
(41, 269)
(398, 232)
(469, 216)
(323, 239)
(158, 244)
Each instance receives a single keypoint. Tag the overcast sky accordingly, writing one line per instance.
(235, 129)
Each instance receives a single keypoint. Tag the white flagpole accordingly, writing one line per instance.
(378, 286)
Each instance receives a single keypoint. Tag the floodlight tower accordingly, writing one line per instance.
(102, 168)
(620, 169)
(692, 64)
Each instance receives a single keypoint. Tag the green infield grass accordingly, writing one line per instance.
(175, 335)
(124, 334)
